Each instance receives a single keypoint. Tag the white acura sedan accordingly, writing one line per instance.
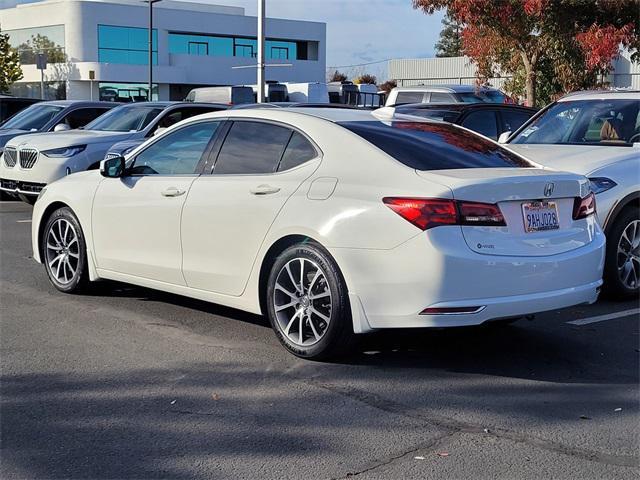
(331, 222)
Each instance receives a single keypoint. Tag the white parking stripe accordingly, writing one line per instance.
(604, 318)
(24, 221)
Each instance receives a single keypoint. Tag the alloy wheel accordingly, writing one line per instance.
(302, 302)
(62, 251)
(628, 255)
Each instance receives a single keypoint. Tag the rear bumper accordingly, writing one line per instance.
(438, 270)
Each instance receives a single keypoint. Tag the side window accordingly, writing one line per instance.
(298, 151)
(80, 117)
(513, 120)
(178, 153)
(252, 148)
(409, 97)
(437, 97)
(483, 122)
(179, 114)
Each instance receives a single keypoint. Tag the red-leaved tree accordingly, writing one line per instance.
(564, 39)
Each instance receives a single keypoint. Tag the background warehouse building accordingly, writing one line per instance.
(195, 44)
(460, 70)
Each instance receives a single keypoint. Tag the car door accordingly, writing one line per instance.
(229, 211)
(513, 119)
(482, 121)
(136, 218)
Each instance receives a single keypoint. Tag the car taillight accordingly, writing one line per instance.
(426, 213)
(485, 214)
(583, 207)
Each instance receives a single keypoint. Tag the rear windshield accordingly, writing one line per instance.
(435, 146)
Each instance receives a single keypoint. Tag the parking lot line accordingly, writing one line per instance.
(604, 318)
(24, 221)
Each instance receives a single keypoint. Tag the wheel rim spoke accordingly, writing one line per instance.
(61, 261)
(627, 253)
(294, 311)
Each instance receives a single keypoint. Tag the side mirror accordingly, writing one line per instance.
(159, 130)
(61, 127)
(504, 136)
(112, 167)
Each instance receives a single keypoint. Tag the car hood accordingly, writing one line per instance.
(44, 141)
(581, 159)
(6, 135)
(121, 147)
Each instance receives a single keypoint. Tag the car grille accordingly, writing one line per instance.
(27, 187)
(10, 157)
(28, 157)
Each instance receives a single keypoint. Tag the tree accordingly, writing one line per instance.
(10, 70)
(366, 78)
(388, 85)
(338, 77)
(519, 37)
(450, 42)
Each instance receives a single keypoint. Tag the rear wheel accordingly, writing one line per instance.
(64, 252)
(308, 304)
(622, 265)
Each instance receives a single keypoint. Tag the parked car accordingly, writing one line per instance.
(488, 119)
(10, 105)
(445, 94)
(32, 161)
(224, 95)
(597, 134)
(329, 221)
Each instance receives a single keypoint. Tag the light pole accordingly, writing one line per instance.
(150, 2)
(261, 15)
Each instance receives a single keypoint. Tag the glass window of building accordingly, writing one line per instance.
(128, 45)
(126, 92)
(30, 41)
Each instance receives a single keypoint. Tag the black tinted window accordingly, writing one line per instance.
(435, 146)
(441, 98)
(252, 147)
(483, 122)
(298, 151)
(409, 97)
(514, 119)
(80, 117)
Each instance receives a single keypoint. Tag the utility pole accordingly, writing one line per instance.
(261, 45)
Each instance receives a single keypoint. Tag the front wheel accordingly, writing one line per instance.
(64, 252)
(622, 265)
(308, 304)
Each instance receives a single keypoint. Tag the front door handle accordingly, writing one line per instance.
(172, 192)
(264, 190)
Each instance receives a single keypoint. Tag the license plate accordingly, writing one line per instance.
(540, 216)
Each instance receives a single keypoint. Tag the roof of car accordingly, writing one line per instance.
(75, 103)
(455, 88)
(601, 95)
(462, 106)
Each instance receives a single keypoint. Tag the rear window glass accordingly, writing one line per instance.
(435, 146)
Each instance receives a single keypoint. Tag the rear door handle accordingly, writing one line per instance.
(264, 190)
(172, 192)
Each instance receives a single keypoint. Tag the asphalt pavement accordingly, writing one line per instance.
(126, 382)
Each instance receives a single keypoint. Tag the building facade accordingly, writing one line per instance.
(99, 48)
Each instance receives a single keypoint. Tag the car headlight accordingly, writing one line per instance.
(64, 152)
(601, 184)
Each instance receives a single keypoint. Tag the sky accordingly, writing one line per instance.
(358, 31)
(361, 31)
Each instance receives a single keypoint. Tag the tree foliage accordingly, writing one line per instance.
(450, 42)
(556, 45)
(366, 78)
(337, 76)
(10, 70)
(40, 44)
(388, 85)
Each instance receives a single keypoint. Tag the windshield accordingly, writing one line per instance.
(494, 96)
(434, 114)
(435, 146)
(125, 119)
(32, 118)
(470, 97)
(585, 122)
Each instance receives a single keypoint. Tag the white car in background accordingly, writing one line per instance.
(329, 221)
(597, 134)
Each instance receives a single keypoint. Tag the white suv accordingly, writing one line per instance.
(597, 134)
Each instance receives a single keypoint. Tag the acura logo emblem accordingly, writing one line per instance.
(548, 189)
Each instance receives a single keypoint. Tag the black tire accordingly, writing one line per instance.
(336, 336)
(614, 286)
(62, 238)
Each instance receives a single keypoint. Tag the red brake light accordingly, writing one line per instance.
(427, 213)
(486, 214)
(424, 213)
(583, 207)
